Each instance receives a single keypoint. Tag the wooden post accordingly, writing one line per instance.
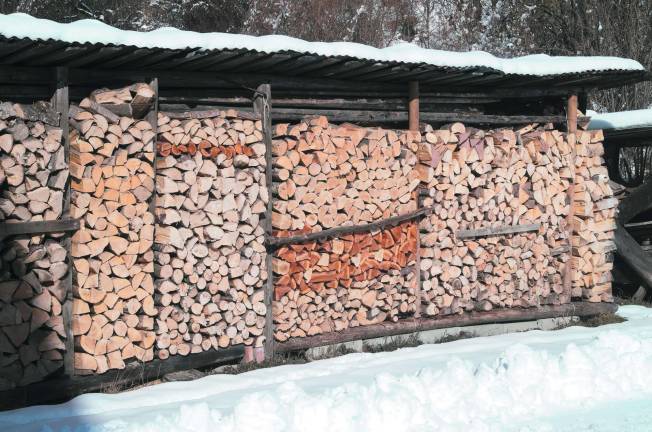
(417, 261)
(571, 128)
(413, 106)
(263, 106)
(152, 119)
(61, 102)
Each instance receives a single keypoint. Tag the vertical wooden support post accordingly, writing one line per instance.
(413, 106)
(263, 107)
(571, 128)
(417, 262)
(61, 102)
(152, 119)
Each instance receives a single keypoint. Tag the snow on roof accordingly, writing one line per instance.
(20, 25)
(621, 120)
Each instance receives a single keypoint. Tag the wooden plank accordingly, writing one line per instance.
(210, 114)
(633, 254)
(401, 116)
(571, 112)
(636, 202)
(152, 119)
(413, 325)
(38, 227)
(417, 264)
(413, 106)
(502, 230)
(262, 108)
(61, 103)
(63, 388)
(350, 229)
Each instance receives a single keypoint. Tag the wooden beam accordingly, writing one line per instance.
(38, 227)
(152, 119)
(210, 114)
(417, 262)
(413, 108)
(571, 114)
(497, 231)
(262, 108)
(64, 388)
(413, 325)
(633, 254)
(61, 103)
(401, 116)
(635, 203)
(350, 229)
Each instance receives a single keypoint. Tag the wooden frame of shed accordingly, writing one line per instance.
(285, 87)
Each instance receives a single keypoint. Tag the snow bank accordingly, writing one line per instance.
(526, 381)
(621, 119)
(91, 31)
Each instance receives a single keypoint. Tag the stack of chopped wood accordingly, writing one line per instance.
(352, 280)
(594, 220)
(210, 242)
(32, 166)
(33, 174)
(497, 235)
(111, 164)
(328, 175)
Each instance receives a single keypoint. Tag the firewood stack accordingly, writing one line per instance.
(33, 176)
(111, 163)
(353, 280)
(328, 175)
(490, 179)
(594, 220)
(211, 202)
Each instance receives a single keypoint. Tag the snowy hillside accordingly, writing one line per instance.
(574, 379)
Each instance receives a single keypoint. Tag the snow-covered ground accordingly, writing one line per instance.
(576, 379)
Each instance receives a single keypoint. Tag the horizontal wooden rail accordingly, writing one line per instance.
(209, 114)
(400, 116)
(38, 227)
(502, 230)
(413, 325)
(344, 230)
(63, 388)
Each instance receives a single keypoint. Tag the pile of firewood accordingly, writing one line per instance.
(32, 166)
(328, 175)
(594, 220)
(210, 243)
(33, 176)
(497, 235)
(111, 164)
(349, 281)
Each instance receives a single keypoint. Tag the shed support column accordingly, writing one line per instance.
(413, 106)
(61, 102)
(571, 128)
(263, 106)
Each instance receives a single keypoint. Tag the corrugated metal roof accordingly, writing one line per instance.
(39, 53)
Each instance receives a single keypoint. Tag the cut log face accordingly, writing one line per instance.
(33, 175)
(210, 253)
(353, 280)
(112, 185)
(329, 176)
